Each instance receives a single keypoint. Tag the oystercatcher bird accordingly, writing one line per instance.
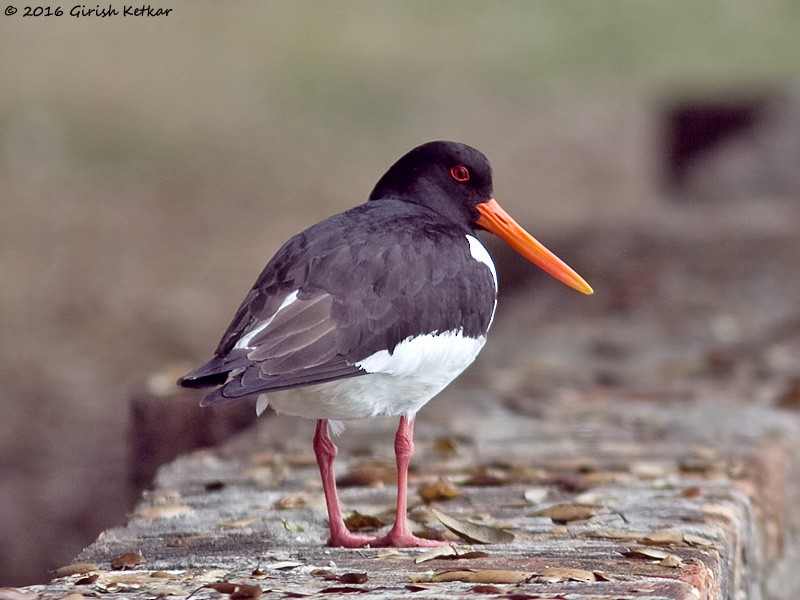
(374, 311)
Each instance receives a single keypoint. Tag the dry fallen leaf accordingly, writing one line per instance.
(672, 561)
(646, 553)
(536, 495)
(441, 490)
(293, 527)
(485, 589)
(76, 569)
(349, 578)
(370, 474)
(653, 554)
(346, 578)
(237, 523)
(127, 560)
(567, 513)
(558, 574)
(696, 540)
(283, 565)
(692, 492)
(359, 522)
(474, 532)
(343, 590)
(448, 553)
(389, 553)
(296, 500)
(487, 477)
(88, 580)
(165, 511)
(446, 445)
(481, 576)
(434, 553)
(237, 591)
(663, 537)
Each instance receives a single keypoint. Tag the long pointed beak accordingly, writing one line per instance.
(496, 220)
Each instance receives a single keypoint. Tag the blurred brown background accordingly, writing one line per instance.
(150, 166)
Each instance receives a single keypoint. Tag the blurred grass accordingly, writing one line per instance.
(214, 82)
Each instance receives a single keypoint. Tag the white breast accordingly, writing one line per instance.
(399, 383)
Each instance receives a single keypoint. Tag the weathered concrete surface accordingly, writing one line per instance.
(656, 500)
(654, 403)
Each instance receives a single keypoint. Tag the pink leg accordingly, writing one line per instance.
(400, 535)
(326, 451)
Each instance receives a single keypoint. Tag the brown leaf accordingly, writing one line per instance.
(672, 561)
(237, 591)
(447, 553)
(358, 522)
(369, 474)
(663, 537)
(296, 500)
(474, 532)
(237, 523)
(486, 477)
(567, 513)
(647, 554)
(696, 540)
(346, 578)
(481, 576)
(343, 590)
(353, 578)
(446, 445)
(223, 587)
(127, 561)
(88, 580)
(441, 490)
(165, 511)
(411, 587)
(692, 492)
(558, 574)
(437, 552)
(76, 569)
(485, 589)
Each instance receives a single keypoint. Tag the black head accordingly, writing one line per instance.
(448, 177)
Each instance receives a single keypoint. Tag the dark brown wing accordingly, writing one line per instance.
(362, 281)
(295, 347)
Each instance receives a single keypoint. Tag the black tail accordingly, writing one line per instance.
(203, 381)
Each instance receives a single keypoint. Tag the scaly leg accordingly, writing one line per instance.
(400, 535)
(326, 451)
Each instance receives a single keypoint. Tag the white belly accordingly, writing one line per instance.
(398, 384)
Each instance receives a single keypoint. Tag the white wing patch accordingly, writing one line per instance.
(244, 341)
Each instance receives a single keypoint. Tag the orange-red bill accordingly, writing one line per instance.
(496, 220)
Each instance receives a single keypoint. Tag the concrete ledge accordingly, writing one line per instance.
(606, 498)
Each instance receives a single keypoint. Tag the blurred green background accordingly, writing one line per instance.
(150, 166)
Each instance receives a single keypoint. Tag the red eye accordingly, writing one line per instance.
(460, 173)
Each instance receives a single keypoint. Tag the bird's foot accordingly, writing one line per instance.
(405, 540)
